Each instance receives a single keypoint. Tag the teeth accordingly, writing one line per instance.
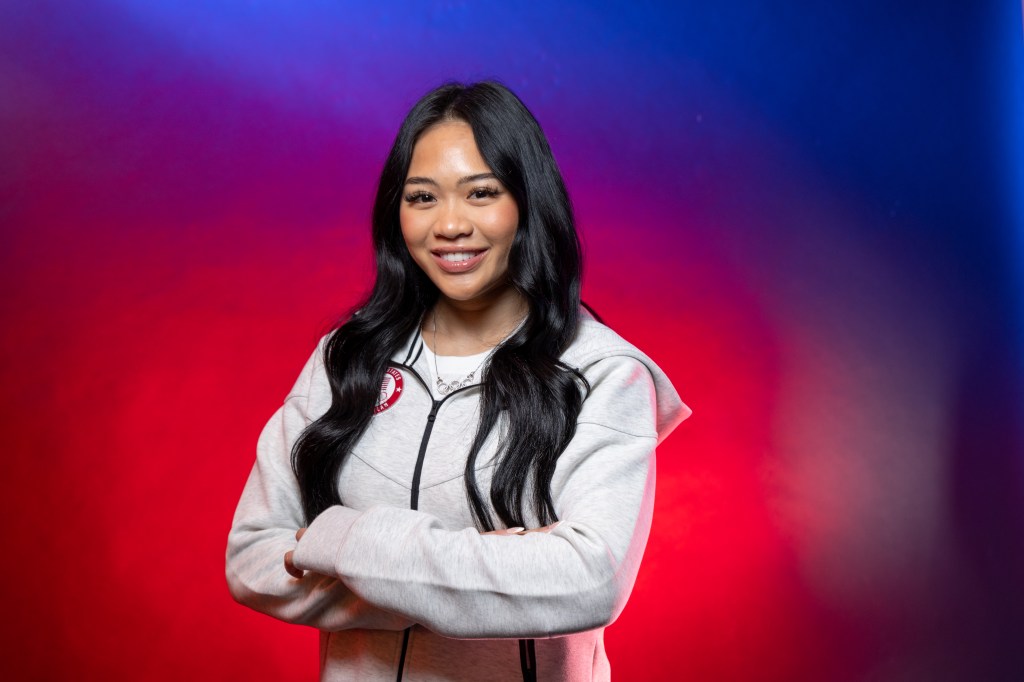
(458, 256)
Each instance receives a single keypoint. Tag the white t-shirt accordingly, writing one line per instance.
(454, 368)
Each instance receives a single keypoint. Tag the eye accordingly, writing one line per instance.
(484, 193)
(419, 198)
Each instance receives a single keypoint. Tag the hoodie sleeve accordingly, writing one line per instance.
(573, 578)
(267, 516)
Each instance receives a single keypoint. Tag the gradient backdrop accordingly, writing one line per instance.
(810, 214)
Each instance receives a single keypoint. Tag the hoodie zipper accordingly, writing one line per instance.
(528, 660)
(414, 493)
(527, 651)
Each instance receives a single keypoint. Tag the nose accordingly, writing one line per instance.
(452, 222)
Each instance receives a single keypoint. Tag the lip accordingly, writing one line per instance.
(460, 266)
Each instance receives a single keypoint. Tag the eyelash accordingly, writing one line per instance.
(415, 197)
(423, 197)
(487, 192)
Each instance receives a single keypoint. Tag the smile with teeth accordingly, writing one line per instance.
(457, 262)
(458, 256)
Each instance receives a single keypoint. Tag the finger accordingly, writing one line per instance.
(299, 533)
(542, 529)
(290, 567)
(518, 530)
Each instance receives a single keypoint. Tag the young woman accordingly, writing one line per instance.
(472, 452)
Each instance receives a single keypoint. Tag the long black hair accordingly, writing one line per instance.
(539, 396)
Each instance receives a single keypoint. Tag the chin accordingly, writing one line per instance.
(483, 297)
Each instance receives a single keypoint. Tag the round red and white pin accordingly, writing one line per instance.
(390, 390)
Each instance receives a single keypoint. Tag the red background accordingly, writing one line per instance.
(808, 218)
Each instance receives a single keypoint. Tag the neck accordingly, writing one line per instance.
(464, 329)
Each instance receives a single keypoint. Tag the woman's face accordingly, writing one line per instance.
(458, 221)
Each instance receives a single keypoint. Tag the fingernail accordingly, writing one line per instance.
(517, 529)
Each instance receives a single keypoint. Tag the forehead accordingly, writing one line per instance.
(447, 147)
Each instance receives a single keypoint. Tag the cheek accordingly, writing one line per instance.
(405, 224)
(505, 224)
(412, 238)
(412, 229)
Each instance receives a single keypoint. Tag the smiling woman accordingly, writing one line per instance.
(472, 451)
(459, 223)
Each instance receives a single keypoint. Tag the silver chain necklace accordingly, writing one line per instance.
(446, 387)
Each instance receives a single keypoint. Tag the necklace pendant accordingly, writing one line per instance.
(444, 388)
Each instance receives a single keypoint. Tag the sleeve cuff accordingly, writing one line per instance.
(318, 549)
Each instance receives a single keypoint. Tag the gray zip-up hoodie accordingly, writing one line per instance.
(400, 582)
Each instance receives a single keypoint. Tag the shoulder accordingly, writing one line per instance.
(596, 341)
(608, 360)
(313, 386)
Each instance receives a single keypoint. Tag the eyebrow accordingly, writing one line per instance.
(416, 180)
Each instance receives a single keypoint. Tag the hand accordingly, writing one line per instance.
(521, 531)
(289, 565)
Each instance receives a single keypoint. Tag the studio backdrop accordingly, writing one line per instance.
(808, 214)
